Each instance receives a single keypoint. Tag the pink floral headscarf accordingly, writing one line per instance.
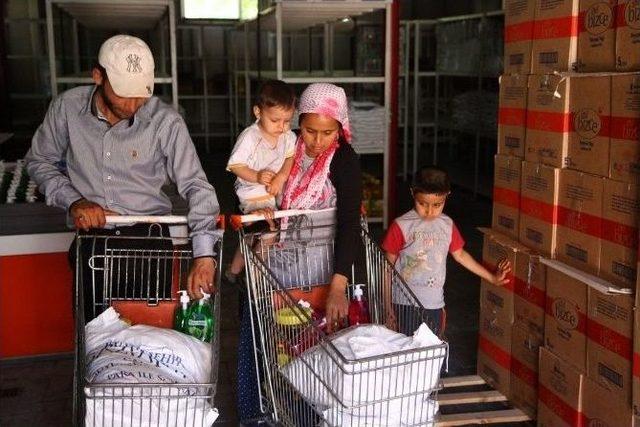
(305, 189)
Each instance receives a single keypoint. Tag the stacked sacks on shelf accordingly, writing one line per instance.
(367, 119)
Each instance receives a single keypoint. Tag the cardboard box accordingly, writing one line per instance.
(524, 370)
(600, 408)
(560, 389)
(539, 207)
(494, 366)
(590, 112)
(568, 122)
(496, 305)
(620, 215)
(555, 36)
(512, 114)
(628, 35)
(580, 220)
(609, 343)
(566, 320)
(494, 341)
(506, 195)
(518, 35)
(547, 131)
(625, 127)
(636, 354)
(530, 293)
(596, 38)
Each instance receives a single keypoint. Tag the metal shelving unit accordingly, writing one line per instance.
(139, 15)
(200, 122)
(284, 17)
(414, 75)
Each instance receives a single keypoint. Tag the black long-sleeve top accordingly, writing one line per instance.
(346, 176)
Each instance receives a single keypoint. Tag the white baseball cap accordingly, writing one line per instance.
(129, 64)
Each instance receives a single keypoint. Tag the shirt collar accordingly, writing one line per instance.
(91, 108)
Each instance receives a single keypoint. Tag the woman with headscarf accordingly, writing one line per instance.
(325, 174)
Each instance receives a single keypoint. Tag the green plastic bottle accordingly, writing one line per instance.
(182, 313)
(200, 319)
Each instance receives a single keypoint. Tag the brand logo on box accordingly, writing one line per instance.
(587, 123)
(566, 313)
(598, 18)
(632, 15)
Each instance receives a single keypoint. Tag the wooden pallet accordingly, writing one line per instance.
(448, 398)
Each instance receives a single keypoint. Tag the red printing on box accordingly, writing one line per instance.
(625, 128)
(559, 406)
(507, 197)
(580, 221)
(555, 28)
(494, 352)
(512, 116)
(522, 371)
(620, 234)
(530, 293)
(538, 209)
(519, 32)
(610, 339)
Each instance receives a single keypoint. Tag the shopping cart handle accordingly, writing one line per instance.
(130, 219)
(238, 220)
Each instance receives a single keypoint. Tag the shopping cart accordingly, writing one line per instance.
(140, 277)
(295, 263)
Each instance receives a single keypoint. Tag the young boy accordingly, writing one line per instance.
(418, 242)
(263, 154)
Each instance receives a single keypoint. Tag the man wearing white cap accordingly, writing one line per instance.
(120, 144)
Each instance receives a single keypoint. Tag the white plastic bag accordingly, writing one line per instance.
(119, 354)
(321, 377)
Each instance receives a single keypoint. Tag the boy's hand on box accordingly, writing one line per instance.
(501, 277)
(265, 176)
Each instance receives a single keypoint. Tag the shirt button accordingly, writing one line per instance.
(108, 153)
(108, 176)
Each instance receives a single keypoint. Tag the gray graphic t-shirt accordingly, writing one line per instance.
(422, 247)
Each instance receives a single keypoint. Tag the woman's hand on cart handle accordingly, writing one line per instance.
(87, 214)
(337, 306)
(201, 277)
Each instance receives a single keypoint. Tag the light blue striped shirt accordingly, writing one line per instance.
(122, 167)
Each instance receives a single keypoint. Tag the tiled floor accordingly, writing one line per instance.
(37, 392)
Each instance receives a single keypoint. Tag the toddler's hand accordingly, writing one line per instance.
(265, 176)
(504, 268)
(276, 184)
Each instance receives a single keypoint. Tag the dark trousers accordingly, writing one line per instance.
(121, 263)
(434, 318)
(248, 396)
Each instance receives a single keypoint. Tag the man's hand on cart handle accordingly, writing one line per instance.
(87, 214)
(201, 276)
(337, 307)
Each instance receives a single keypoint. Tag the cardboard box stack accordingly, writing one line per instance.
(496, 315)
(628, 35)
(571, 92)
(506, 195)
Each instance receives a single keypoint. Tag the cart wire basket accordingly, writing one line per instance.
(139, 277)
(303, 375)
